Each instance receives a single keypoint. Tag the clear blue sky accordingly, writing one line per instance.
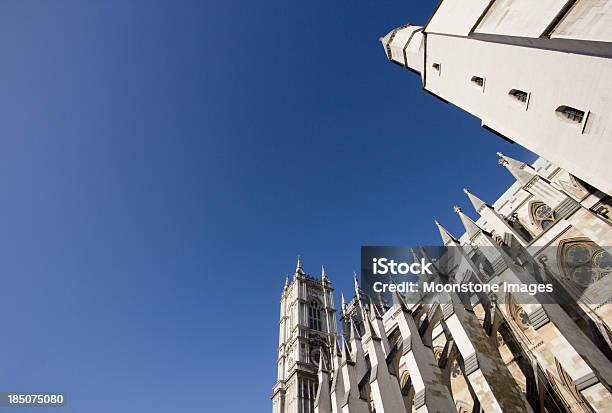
(163, 163)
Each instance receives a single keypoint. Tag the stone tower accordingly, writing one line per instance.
(307, 332)
(534, 73)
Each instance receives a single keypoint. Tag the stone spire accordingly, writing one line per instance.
(343, 301)
(377, 321)
(286, 281)
(385, 392)
(337, 385)
(415, 256)
(369, 328)
(356, 282)
(346, 353)
(357, 353)
(374, 312)
(354, 334)
(422, 366)
(381, 302)
(324, 274)
(478, 203)
(298, 266)
(520, 170)
(323, 403)
(398, 300)
(447, 238)
(470, 226)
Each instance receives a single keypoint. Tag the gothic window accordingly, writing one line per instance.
(315, 354)
(478, 81)
(542, 215)
(314, 316)
(437, 67)
(517, 313)
(518, 95)
(307, 392)
(583, 261)
(570, 114)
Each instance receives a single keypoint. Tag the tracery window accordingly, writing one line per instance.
(314, 316)
(584, 262)
(517, 313)
(542, 215)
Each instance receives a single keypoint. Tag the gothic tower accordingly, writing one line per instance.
(536, 73)
(307, 332)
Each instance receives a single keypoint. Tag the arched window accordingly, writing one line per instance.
(437, 67)
(314, 316)
(542, 215)
(583, 261)
(517, 312)
(569, 114)
(307, 393)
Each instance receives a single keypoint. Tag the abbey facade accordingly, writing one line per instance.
(539, 74)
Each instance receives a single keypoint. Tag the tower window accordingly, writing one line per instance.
(307, 393)
(478, 81)
(518, 95)
(437, 67)
(314, 316)
(570, 114)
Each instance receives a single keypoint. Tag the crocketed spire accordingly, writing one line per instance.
(478, 203)
(447, 238)
(471, 227)
(520, 170)
(298, 266)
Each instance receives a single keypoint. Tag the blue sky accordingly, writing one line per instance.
(162, 165)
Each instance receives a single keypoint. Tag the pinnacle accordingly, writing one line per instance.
(477, 203)
(447, 238)
(470, 226)
(321, 363)
(346, 353)
(354, 335)
(520, 170)
(369, 328)
(374, 313)
(298, 266)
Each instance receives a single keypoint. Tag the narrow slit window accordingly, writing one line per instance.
(570, 114)
(478, 81)
(519, 95)
(436, 67)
